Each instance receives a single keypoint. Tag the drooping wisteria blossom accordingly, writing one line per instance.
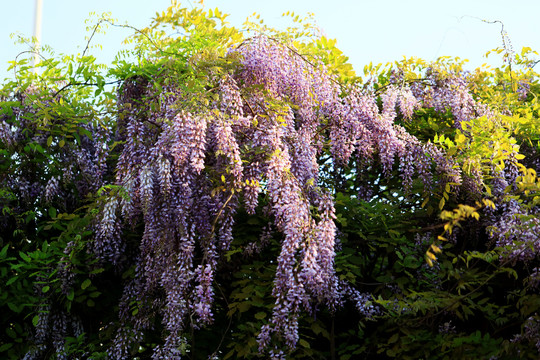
(186, 172)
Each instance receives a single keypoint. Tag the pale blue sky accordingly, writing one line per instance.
(377, 31)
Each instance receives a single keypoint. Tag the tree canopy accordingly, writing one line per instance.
(227, 193)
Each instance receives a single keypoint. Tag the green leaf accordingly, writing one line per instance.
(35, 320)
(5, 347)
(411, 262)
(14, 308)
(71, 295)
(24, 256)
(303, 343)
(45, 288)
(3, 252)
(86, 283)
(390, 353)
(97, 271)
(52, 212)
(260, 315)
(11, 333)
(244, 306)
(39, 149)
(77, 137)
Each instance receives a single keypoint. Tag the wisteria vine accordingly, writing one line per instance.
(251, 133)
(187, 171)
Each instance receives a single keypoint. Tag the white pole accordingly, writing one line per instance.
(37, 31)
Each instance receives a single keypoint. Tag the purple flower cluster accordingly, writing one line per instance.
(204, 293)
(531, 332)
(6, 136)
(449, 91)
(516, 229)
(362, 301)
(107, 244)
(186, 169)
(534, 278)
(513, 224)
(53, 327)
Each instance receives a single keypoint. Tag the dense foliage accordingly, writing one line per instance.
(220, 194)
